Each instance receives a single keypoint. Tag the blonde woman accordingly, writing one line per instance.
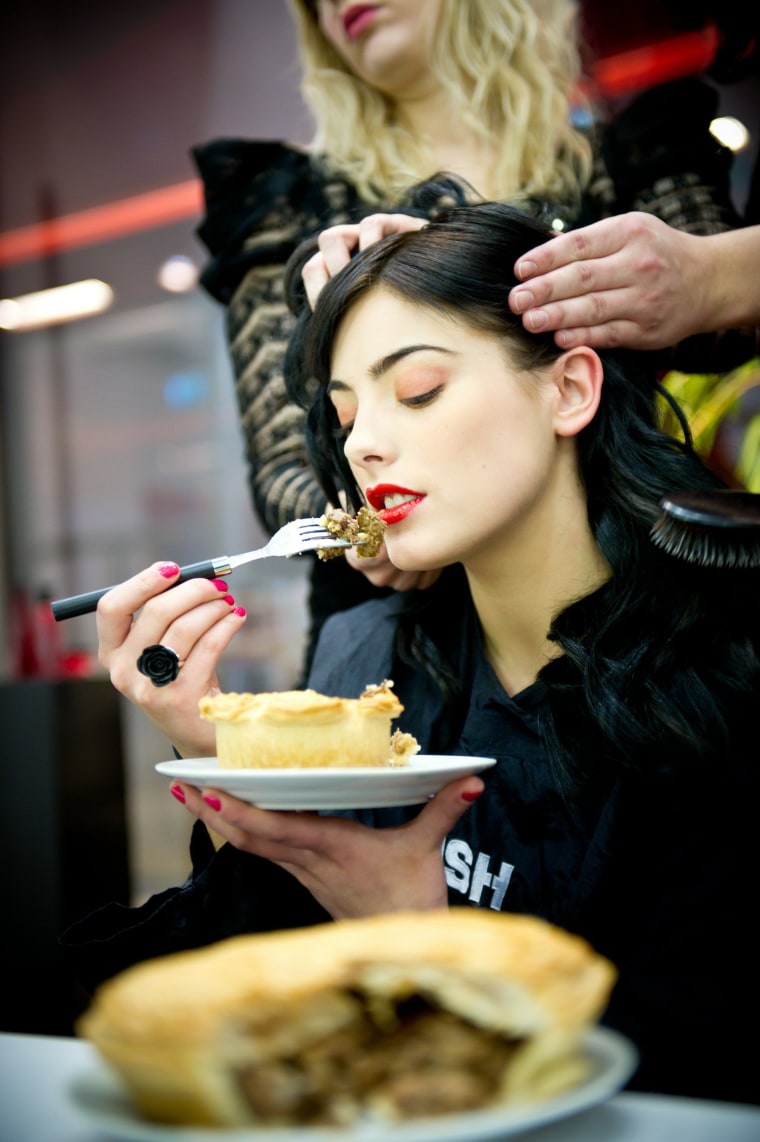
(489, 91)
(483, 90)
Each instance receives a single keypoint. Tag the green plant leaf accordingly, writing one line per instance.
(707, 399)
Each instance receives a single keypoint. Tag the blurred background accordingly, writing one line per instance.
(119, 438)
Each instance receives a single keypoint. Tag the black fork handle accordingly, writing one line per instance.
(87, 603)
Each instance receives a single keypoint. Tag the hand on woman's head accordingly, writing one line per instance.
(631, 281)
(337, 244)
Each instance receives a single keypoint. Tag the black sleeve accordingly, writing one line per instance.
(228, 894)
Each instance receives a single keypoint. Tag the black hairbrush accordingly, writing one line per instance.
(714, 529)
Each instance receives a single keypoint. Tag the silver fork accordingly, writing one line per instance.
(295, 538)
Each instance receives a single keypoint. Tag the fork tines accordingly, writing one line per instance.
(314, 529)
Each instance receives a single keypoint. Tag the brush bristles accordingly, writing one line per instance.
(724, 547)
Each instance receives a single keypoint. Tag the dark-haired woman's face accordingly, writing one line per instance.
(450, 441)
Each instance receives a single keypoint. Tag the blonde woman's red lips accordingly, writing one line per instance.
(357, 18)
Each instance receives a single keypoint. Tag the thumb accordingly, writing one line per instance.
(440, 814)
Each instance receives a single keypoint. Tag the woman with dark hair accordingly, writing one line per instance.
(494, 92)
(615, 685)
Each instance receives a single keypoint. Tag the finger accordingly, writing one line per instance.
(375, 567)
(382, 573)
(611, 335)
(593, 309)
(117, 610)
(426, 579)
(200, 657)
(366, 563)
(377, 226)
(378, 569)
(575, 282)
(272, 834)
(199, 646)
(399, 580)
(314, 276)
(598, 240)
(118, 606)
(437, 819)
(337, 245)
(189, 628)
(181, 616)
(208, 649)
(177, 618)
(372, 229)
(192, 799)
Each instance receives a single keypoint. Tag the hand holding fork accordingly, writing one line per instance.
(295, 538)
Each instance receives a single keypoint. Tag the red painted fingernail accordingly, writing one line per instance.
(168, 570)
(219, 584)
(176, 791)
(239, 611)
(471, 795)
(212, 802)
(229, 599)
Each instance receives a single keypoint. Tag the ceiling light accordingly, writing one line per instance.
(55, 306)
(178, 274)
(730, 132)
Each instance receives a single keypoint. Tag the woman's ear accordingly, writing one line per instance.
(578, 377)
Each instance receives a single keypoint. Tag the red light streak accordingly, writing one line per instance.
(630, 71)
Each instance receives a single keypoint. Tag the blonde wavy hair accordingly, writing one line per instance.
(513, 66)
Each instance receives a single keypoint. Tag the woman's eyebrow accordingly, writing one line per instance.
(385, 363)
(388, 362)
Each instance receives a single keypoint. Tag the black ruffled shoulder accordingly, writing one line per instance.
(262, 199)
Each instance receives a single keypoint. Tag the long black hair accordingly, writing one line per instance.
(655, 658)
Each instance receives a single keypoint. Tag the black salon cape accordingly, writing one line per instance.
(658, 874)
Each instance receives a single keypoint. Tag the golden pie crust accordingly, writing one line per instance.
(389, 1017)
(305, 729)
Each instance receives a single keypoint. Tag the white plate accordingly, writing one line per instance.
(358, 788)
(99, 1096)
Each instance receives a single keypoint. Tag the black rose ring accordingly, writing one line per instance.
(159, 663)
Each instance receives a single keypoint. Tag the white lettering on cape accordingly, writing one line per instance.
(471, 881)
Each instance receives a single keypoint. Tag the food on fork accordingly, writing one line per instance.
(394, 1017)
(304, 729)
(364, 531)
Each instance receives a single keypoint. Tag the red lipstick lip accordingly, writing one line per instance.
(389, 516)
(376, 499)
(354, 21)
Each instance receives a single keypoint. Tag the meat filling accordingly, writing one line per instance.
(366, 530)
(421, 1061)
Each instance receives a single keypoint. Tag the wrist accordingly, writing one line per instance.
(728, 271)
